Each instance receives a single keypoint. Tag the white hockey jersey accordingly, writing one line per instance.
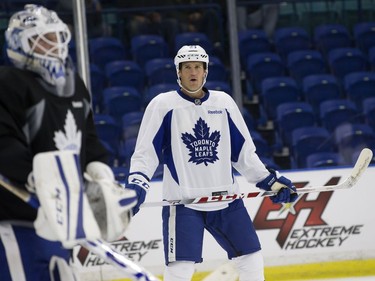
(199, 141)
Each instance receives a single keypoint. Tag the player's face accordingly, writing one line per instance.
(46, 45)
(192, 75)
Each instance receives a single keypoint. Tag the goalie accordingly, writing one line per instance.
(47, 141)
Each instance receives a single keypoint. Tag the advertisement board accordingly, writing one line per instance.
(326, 226)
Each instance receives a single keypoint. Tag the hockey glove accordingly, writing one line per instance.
(110, 202)
(286, 190)
(140, 184)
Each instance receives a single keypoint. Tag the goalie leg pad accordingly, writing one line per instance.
(64, 214)
(60, 270)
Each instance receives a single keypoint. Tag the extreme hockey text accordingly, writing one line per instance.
(321, 237)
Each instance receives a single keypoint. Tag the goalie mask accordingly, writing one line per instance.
(191, 53)
(37, 40)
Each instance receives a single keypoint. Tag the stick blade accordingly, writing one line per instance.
(361, 165)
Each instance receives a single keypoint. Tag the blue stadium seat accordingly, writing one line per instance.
(108, 130)
(343, 61)
(309, 140)
(146, 47)
(371, 58)
(293, 115)
(290, 39)
(131, 122)
(324, 159)
(160, 70)
(249, 119)
(120, 100)
(97, 84)
(262, 147)
(219, 86)
(364, 35)
(270, 163)
(369, 111)
(338, 111)
(125, 73)
(302, 63)
(330, 36)
(155, 90)
(318, 88)
(125, 151)
(194, 38)
(111, 151)
(353, 137)
(217, 70)
(275, 91)
(263, 65)
(105, 49)
(359, 86)
(252, 41)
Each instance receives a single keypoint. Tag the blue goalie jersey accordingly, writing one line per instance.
(199, 141)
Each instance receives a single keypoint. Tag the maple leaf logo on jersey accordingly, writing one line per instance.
(203, 145)
(71, 138)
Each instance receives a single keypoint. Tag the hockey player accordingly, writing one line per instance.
(47, 132)
(200, 136)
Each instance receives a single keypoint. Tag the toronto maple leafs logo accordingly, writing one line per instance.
(202, 145)
(71, 138)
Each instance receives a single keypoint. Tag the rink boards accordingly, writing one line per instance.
(327, 226)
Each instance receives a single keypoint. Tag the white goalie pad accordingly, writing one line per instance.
(64, 214)
(111, 203)
(58, 266)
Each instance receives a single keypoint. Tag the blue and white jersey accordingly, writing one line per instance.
(199, 141)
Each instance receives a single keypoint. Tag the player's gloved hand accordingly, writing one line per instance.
(286, 190)
(140, 184)
(110, 202)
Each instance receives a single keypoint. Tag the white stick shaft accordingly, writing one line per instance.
(111, 256)
(360, 166)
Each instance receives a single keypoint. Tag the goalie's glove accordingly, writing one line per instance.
(140, 184)
(286, 190)
(110, 202)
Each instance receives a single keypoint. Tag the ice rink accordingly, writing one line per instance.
(367, 278)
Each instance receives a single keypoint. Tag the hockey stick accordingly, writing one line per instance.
(101, 248)
(360, 166)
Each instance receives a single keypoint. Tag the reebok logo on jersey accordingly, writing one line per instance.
(202, 145)
(215, 112)
(77, 104)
